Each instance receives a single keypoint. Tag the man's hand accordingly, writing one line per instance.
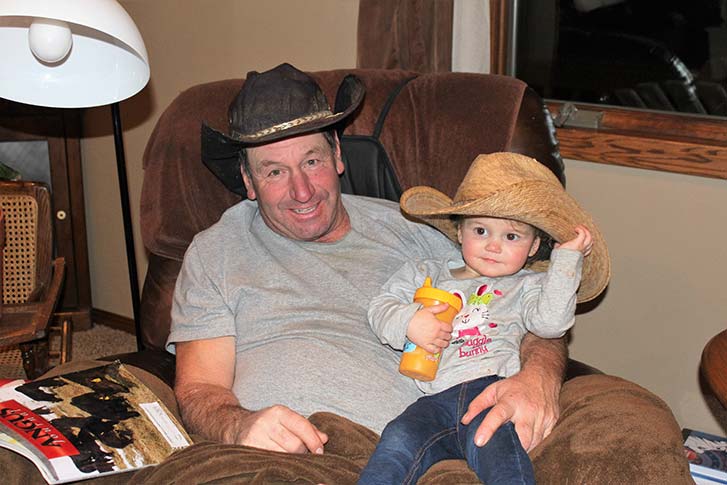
(279, 428)
(522, 399)
(528, 399)
(203, 387)
(427, 331)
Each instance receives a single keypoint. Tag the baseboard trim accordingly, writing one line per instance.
(113, 320)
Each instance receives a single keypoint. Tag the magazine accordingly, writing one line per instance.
(707, 456)
(88, 423)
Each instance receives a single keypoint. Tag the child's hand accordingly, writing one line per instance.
(428, 332)
(583, 241)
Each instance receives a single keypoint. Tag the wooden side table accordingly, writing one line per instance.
(714, 366)
(44, 145)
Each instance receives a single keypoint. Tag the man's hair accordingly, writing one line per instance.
(329, 135)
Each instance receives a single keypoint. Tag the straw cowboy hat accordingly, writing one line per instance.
(273, 105)
(513, 186)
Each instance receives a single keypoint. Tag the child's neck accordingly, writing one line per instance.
(463, 273)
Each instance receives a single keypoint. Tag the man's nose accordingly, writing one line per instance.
(301, 190)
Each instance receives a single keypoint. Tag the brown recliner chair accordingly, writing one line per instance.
(437, 124)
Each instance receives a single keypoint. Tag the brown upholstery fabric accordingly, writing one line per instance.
(414, 35)
(156, 299)
(611, 431)
(598, 413)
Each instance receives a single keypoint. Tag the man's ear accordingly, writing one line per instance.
(534, 248)
(340, 167)
(248, 184)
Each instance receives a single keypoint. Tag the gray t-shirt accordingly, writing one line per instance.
(496, 314)
(298, 309)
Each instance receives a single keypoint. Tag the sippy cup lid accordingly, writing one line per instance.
(426, 291)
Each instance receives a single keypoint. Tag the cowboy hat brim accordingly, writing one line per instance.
(220, 152)
(555, 212)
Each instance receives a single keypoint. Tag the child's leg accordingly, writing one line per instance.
(502, 460)
(422, 435)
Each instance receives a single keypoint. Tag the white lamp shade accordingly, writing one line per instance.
(107, 61)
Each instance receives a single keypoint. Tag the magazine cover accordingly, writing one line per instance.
(707, 455)
(88, 423)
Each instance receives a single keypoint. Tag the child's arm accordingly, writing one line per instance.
(393, 316)
(392, 309)
(549, 311)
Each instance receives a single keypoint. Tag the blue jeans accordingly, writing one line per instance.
(429, 431)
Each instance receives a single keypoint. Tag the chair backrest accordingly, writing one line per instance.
(28, 240)
(436, 126)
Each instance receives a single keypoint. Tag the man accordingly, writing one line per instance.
(269, 315)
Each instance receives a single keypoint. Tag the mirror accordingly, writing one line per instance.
(667, 55)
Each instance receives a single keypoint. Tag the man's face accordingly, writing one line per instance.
(295, 182)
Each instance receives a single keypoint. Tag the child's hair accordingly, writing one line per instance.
(546, 242)
(545, 248)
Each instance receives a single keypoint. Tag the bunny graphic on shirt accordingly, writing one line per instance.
(472, 327)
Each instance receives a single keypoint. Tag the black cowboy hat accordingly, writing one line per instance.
(273, 105)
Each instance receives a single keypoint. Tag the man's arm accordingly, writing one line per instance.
(203, 388)
(529, 398)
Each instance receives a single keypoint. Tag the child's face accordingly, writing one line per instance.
(495, 247)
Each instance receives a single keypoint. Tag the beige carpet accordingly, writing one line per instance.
(98, 341)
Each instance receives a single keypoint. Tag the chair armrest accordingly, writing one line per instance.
(575, 368)
(50, 297)
(159, 363)
(23, 322)
(714, 366)
(162, 364)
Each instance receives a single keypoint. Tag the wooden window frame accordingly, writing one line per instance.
(653, 140)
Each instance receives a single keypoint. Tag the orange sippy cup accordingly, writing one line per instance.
(417, 362)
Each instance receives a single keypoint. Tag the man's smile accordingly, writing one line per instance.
(305, 210)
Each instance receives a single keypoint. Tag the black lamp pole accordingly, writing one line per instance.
(128, 228)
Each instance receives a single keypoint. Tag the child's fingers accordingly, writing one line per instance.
(587, 242)
(435, 309)
(432, 348)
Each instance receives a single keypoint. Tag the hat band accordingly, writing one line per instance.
(284, 126)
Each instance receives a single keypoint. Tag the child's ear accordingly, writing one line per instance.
(459, 234)
(534, 248)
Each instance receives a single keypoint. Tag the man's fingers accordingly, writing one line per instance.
(286, 441)
(496, 417)
(525, 431)
(484, 400)
(549, 423)
(302, 435)
(279, 428)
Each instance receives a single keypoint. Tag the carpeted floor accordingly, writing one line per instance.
(98, 341)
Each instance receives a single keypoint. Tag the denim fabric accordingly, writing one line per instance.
(429, 431)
